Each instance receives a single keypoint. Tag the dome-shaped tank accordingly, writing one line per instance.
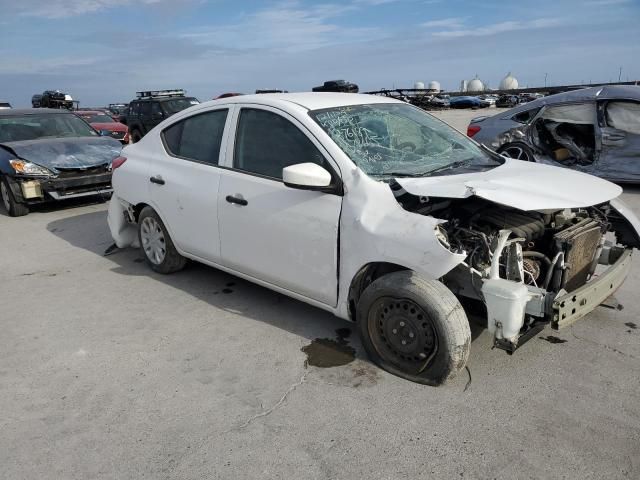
(509, 82)
(434, 86)
(418, 86)
(475, 85)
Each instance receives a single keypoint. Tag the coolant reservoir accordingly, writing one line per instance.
(506, 302)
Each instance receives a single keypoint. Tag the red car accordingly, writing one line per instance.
(105, 124)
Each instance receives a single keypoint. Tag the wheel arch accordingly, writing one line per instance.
(365, 276)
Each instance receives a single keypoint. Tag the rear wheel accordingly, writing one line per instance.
(414, 328)
(13, 208)
(518, 151)
(157, 246)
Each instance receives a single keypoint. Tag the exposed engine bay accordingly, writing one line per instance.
(522, 264)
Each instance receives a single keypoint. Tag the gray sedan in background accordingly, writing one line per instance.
(594, 130)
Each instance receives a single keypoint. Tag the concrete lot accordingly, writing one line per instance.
(108, 370)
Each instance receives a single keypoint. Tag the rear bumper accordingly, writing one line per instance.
(32, 190)
(571, 307)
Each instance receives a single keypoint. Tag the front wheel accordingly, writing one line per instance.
(13, 208)
(414, 328)
(157, 246)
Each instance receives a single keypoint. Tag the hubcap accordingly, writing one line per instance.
(152, 239)
(5, 196)
(402, 333)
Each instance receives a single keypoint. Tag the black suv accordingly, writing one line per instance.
(152, 107)
(340, 86)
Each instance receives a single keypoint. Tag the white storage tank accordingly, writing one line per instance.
(434, 86)
(475, 85)
(418, 86)
(509, 82)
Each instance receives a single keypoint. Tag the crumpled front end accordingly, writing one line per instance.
(532, 268)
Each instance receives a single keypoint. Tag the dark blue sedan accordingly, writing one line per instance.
(50, 155)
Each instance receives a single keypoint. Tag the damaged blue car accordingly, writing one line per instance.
(50, 155)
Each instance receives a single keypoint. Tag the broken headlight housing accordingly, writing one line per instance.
(27, 168)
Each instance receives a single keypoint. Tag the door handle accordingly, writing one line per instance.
(157, 180)
(236, 200)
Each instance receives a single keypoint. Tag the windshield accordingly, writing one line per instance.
(400, 140)
(97, 118)
(176, 105)
(32, 127)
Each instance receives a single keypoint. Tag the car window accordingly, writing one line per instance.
(624, 116)
(525, 117)
(198, 137)
(156, 109)
(145, 108)
(266, 143)
(135, 108)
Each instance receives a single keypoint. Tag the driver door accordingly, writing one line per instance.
(280, 235)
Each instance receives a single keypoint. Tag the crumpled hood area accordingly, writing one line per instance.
(521, 185)
(67, 153)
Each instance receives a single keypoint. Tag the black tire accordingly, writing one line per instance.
(13, 207)
(403, 307)
(517, 151)
(136, 136)
(171, 261)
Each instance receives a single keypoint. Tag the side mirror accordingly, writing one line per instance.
(306, 176)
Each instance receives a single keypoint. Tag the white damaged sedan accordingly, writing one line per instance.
(379, 213)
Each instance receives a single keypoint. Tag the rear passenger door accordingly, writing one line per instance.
(185, 178)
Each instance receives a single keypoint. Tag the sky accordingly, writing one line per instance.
(103, 51)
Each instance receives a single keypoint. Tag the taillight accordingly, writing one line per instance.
(117, 162)
(472, 130)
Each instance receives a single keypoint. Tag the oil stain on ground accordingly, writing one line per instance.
(328, 352)
(631, 325)
(552, 339)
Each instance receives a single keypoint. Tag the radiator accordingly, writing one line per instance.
(579, 244)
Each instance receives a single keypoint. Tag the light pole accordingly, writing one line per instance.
(545, 80)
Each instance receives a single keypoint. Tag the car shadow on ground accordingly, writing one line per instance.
(90, 232)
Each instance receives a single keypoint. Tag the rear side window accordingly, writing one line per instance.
(525, 117)
(266, 143)
(197, 138)
(145, 108)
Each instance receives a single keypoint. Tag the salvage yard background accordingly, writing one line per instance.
(108, 370)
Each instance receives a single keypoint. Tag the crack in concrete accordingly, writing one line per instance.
(279, 402)
(605, 346)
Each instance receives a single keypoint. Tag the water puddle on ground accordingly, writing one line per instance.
(328, 352)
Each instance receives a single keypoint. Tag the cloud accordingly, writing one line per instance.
(497, 28)
(454, 23)
(286, 26)
(54, 9)
(607, 3)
